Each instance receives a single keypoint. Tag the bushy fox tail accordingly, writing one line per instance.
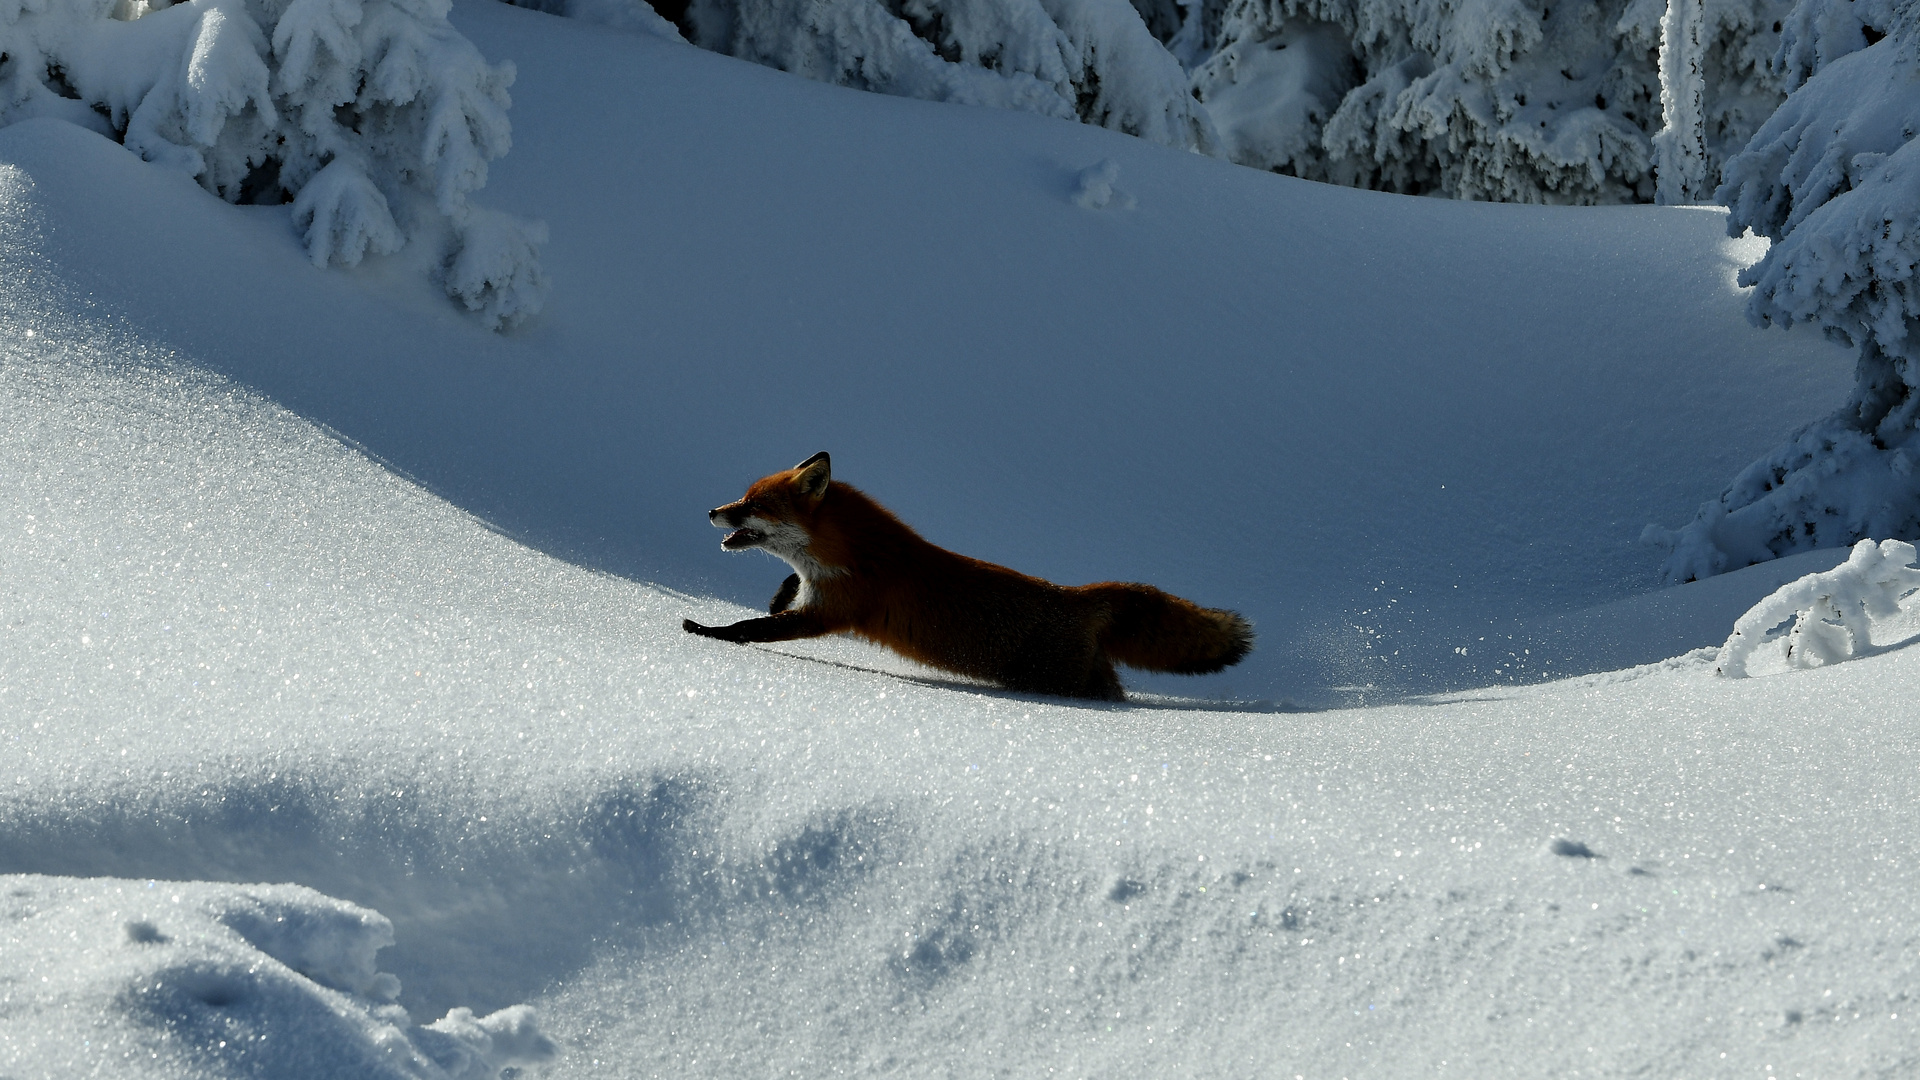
(1156, 631)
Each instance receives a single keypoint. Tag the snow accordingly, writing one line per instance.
(186, 978)
(313, 581)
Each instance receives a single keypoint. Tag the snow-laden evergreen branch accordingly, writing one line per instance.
(1091, 60)
(374, 117)
(1831, 613)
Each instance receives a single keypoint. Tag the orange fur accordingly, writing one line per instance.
(861, 570)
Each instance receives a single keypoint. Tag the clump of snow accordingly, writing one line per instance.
(463, 1046)
(375, 117)
(1094, 188)
(1833, 178)
(196, 978)
(1827, 617)
(1091, 60)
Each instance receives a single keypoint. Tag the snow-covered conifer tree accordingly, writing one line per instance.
(1516, 100)
(636, 15)
(1833, 178)
(1681, 145)
(1091, 60)
(1720, 79)
(374, 117)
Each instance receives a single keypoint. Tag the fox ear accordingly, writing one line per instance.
(815, 473)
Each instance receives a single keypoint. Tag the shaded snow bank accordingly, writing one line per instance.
(167, 978)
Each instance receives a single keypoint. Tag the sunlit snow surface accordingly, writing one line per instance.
(237, 650)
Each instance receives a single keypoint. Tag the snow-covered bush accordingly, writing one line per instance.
(1833, 178)
(1515, 100)
(1825, 618)
(1091, 60)
(374, 117)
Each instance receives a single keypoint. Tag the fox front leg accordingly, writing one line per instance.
(789, 589)
(786, 626)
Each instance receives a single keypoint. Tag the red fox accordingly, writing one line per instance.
(859, 569)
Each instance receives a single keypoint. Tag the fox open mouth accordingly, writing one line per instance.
(742, 538)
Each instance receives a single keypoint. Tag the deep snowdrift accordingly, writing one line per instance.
(238, 650)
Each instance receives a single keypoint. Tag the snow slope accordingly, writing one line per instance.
(749, 268)
(238, 649)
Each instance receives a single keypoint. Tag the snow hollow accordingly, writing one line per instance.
(322, 601)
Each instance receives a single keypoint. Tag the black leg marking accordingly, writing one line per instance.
(789, 589)
(786, 626)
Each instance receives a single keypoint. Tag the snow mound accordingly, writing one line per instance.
(1831, 614)
(1094, 188)
(198, 978)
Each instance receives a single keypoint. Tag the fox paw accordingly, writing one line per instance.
(718, 633)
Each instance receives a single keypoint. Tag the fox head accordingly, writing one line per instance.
(777, 511)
